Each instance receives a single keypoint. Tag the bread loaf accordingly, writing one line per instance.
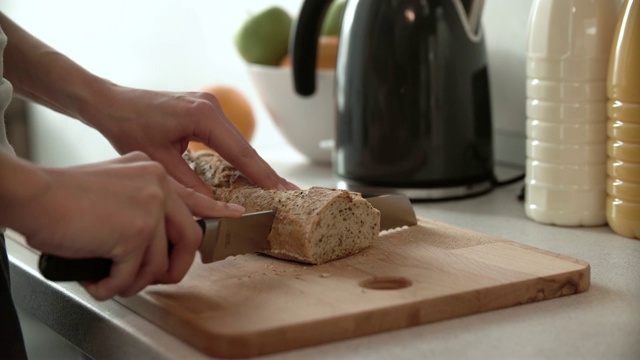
(314, 225)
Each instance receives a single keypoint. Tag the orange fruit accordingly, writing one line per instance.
(195, 146)
(286, 61)
(237, 108)
(327, 52)
(326, 56)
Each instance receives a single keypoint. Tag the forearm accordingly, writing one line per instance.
(21, 184)
(43, 75)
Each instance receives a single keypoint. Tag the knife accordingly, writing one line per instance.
(222, 238)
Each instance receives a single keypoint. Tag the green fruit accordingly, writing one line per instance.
(264, 37)
(333, 18)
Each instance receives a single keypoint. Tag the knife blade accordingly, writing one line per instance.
(396, 211)
(227, 237)
(222, 237)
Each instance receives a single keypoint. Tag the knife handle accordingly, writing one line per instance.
(56, 268)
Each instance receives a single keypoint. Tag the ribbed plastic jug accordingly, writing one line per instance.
(568, 52)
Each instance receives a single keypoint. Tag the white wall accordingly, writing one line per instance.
(505, 24)
(185, 45)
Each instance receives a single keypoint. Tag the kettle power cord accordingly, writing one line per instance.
(508, 181)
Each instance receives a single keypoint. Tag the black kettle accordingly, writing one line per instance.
(412, 98)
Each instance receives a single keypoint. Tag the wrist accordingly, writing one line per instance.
(22, 184)
(95, 101)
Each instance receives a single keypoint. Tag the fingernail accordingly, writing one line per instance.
(284, 185)
(235, 208)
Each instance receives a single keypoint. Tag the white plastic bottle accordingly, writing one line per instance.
(568, 52)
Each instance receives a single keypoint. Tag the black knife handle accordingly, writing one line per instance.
(56, 268)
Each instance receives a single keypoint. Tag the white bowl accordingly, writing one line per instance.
(306, 122)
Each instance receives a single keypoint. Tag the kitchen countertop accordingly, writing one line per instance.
(603, 323)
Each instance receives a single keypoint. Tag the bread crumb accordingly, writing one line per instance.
(394, 230)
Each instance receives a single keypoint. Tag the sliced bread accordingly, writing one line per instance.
(314, 225)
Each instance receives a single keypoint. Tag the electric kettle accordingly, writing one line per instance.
(412, 95)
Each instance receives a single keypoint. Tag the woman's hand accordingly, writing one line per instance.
(161, 125)
(126, 210)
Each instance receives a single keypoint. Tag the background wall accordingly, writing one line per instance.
(185, 45)
(505, 24)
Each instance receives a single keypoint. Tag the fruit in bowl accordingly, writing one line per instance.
(264, 37)
(307, 123)
(237, 108)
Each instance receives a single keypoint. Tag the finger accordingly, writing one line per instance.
(185, 237)
(180, 170)
(182, 255)
(121, 275)
(133, 156)
(244, 158)
(205, 207)
(154, 263)
(227, 140)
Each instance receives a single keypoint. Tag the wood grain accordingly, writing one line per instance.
(252, 305)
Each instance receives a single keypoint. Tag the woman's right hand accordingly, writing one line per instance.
(126, 210)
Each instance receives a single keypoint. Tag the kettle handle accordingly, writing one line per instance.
(304, 43)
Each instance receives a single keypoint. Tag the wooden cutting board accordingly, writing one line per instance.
(253, 305)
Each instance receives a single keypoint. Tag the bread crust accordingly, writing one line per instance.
(314, 225)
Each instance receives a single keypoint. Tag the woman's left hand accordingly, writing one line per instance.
(161, 124)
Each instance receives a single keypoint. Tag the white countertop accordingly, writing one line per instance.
(603, 323)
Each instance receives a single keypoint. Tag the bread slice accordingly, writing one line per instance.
(314, 225)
